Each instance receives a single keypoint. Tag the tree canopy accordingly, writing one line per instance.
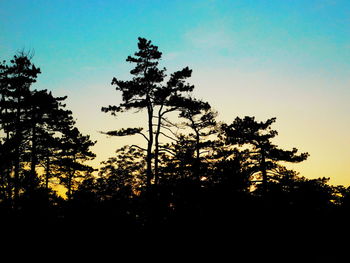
(196, 173)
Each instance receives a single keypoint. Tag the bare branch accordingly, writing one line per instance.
(167, 128)
(167, 151)
(144, 136)
(136, 146)
(169, 110)
(168, 136)
(169, 122)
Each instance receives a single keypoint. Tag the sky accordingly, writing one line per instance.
(288, 59)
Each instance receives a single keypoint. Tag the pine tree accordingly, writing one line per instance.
(75, 151)
(200, 118)
(16, 80)
(147, 90)
(263, 153)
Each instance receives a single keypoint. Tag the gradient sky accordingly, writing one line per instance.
(288, 59)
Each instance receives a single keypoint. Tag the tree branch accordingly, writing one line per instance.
(167, 121)
(144, 136)
(169, 110)
(167, 128)
(167, 150)
(168, 136)
(136, 146)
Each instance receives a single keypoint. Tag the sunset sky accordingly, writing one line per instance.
(288, 59)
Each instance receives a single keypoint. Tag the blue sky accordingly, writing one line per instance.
(283, 58)
(70, 35)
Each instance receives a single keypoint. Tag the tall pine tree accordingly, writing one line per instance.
(147, 90)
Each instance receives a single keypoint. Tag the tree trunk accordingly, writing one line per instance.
(70, 180)
(149, 147)
(69, 187)
(197, 160)
(156, 160)
(9, 187)
(263, 171)
(17, 152)
(33, 153)
(197, 150)
(156, 150)
(47, 172)
(16, 177)
(8, 173)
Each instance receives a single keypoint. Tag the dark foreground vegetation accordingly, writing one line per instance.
(194, 176)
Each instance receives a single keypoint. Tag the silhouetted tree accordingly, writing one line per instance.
(147, 91)
(233, 169)
(200, 118)
(199, 175)
(124, 171)
(57, 119)
(178, 158)
(75, 151)
(16, 80)
(46, 117)
(138, 93)
(170, 97)
(258, 135)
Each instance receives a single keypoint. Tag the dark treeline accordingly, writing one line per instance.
(192, 173)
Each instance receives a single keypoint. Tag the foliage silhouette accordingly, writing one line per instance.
(37, 133)
(197, 182)
(147, 90)
(258, 135)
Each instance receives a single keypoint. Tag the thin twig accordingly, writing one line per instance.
(168, 136)
(144, 136)
(143, 149)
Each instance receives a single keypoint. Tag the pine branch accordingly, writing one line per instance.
(136, 146)
(163, 149)
(169, 137)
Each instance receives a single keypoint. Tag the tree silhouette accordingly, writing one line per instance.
(124, 171)
(258, 135)
(45, 118)
(178, 158)
(139, 92)
(75, 151)
(147, 91)
(202, 177)
(34, 125)
(57, 121)
(16, 80)
(200, 118)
